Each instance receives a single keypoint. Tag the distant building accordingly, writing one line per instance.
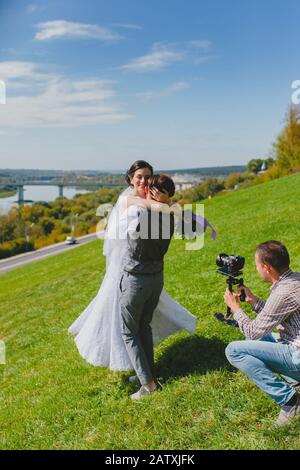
(185, 181)
(263, 168)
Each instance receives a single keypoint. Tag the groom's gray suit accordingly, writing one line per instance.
(141, 283)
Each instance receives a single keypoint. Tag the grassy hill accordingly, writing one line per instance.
(50, 398)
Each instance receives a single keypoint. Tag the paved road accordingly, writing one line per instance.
(26, 258)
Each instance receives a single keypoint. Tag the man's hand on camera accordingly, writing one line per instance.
(232, 300)
(250, 297)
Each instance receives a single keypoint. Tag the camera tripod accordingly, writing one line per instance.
(225, 318)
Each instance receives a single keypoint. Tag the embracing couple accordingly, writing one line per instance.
(132, 311)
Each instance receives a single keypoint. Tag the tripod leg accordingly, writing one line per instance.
(222, 318)
(226, 318)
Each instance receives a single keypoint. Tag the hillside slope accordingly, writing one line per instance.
(50, 398)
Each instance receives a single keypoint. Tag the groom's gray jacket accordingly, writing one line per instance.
(149, 235)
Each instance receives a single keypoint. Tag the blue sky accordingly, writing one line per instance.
(97, 84)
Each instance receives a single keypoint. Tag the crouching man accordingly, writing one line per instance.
(272, 364)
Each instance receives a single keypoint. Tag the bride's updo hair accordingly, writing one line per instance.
(138, 165)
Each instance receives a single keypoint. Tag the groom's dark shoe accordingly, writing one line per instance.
(133, 379)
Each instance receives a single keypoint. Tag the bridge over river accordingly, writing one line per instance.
(20, 186)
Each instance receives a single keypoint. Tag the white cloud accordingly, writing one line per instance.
(129, 26)
(55, 101)
(163, 55)
(160, 56)
(17, 70)
(66, 29)
(174, 88)
(180, 86)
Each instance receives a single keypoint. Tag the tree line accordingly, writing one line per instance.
(30, 227)
(284, 159)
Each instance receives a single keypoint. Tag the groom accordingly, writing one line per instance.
(148, 239)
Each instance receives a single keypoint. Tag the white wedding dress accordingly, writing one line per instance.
(97, 330)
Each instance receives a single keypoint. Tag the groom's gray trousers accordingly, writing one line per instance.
(139, 296)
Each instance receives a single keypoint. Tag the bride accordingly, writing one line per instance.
(97, 330)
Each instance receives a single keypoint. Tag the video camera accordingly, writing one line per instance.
(230, 266)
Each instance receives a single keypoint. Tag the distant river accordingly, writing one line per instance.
(38, 193)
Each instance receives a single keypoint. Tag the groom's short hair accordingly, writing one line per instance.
(163, 183)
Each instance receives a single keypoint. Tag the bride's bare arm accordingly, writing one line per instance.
(153, 205)
(146, 203)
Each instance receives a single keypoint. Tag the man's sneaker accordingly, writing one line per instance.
(141, 393)
(287, 413)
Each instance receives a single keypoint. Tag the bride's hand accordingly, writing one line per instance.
(160, 196)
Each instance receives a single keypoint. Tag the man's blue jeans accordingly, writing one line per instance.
(262, 360)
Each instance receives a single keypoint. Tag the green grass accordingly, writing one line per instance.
(51, 399)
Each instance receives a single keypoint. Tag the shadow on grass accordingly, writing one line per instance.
(192, 355)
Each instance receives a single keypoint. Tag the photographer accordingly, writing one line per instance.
(261, 357)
